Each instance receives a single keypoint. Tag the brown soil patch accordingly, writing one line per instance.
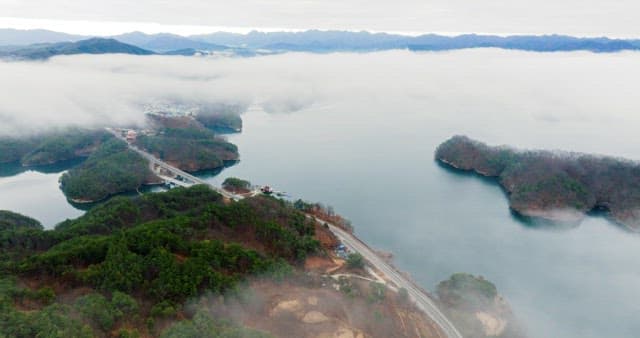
(314, 317)
(319, 264)
(327, 239)
(294, 309)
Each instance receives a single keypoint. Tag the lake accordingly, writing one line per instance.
(35, 192)
(359, 131)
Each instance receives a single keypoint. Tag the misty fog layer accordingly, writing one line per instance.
(359, 131)
(546, 88)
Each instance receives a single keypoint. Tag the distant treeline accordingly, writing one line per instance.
(555, 185)
(228, 121)
(51, 147)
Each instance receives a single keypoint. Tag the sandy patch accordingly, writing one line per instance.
(314, 317)
(344, 333)
(493, 326)
(286, 306)
(569, 216)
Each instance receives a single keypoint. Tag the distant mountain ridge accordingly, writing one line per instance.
(89, 46)
(315, 41)
(18, 37)
(328, 41)
(544, 43)
(166, 42)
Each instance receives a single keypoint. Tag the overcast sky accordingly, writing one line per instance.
(617, 18)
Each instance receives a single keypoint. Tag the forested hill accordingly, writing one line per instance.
(127, 266)
(558, 186)
(11, 221)
(187, 263)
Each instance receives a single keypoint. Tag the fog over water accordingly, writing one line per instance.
(358, 131)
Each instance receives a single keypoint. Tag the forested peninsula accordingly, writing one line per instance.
(108, 167)
(113, 168)
(553, 185)
(51, 147)
(186, 143)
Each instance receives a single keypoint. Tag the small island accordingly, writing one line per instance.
(474, 305)
(236, 185)
(551, 185)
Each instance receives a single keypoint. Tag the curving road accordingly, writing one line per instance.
(154, 160)
(421, 299)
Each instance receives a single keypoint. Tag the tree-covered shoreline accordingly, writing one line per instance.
(53, 147)
(558, 186)
(110, 170)
(190, 149)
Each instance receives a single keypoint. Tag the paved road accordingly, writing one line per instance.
(153, 160)
(420, 298)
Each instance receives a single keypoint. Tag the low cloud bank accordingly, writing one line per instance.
(95, 91)
(477, 85)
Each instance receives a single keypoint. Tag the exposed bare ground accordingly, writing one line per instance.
(292, 309)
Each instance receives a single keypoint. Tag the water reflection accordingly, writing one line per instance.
(11, 169)
(526, 221)
(210, 173)
(139, 192)
(15, 168)
(541, 223)
(35, 192)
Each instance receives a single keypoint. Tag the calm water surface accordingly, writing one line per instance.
(578, 282)
(35, 192)
(366, 148)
